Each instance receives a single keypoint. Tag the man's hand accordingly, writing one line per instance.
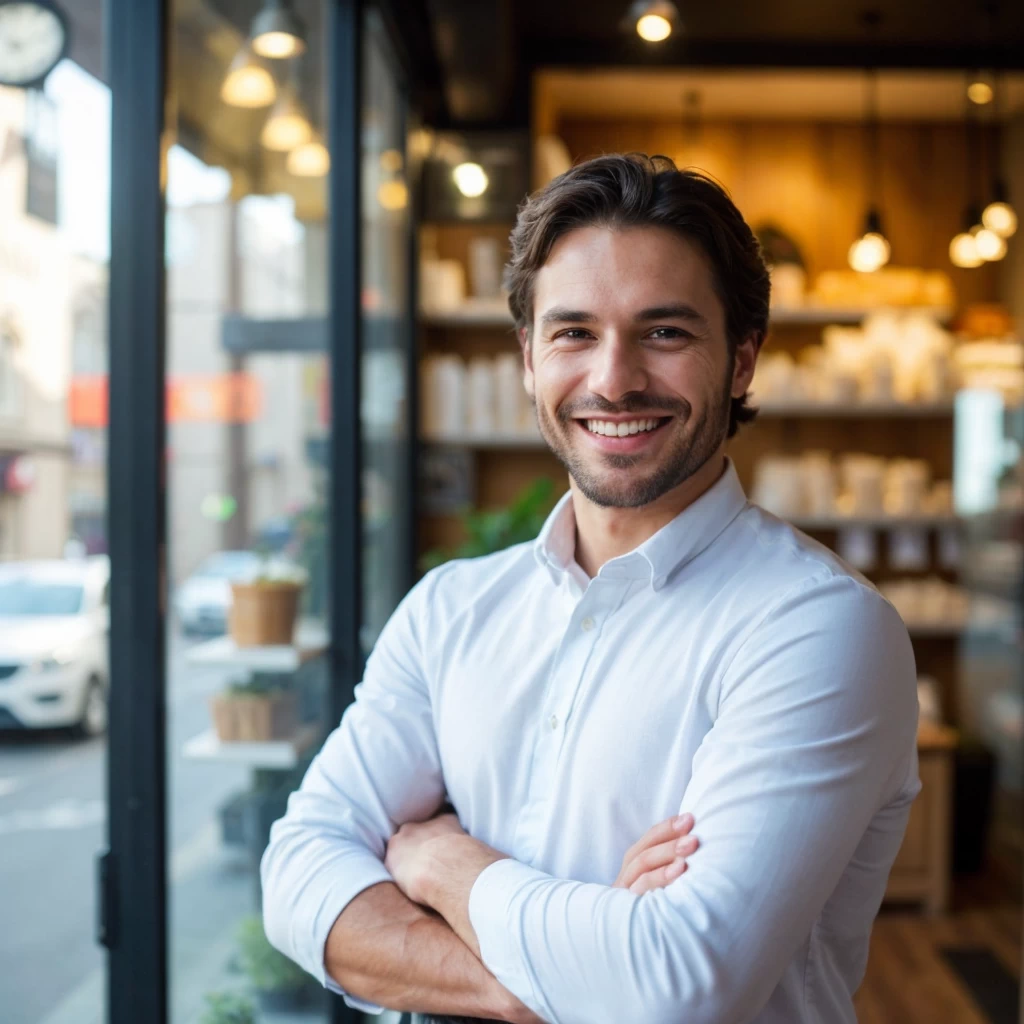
(404, 857)
(658, 858)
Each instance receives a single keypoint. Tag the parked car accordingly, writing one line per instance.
(202, 601)
(54, 625)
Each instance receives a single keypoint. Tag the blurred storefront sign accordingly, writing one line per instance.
(212, 398)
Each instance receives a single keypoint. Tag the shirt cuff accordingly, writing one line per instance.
(354, 880)
(491, 913)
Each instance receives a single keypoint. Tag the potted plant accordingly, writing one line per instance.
(280, 984)
(490, 531)
(228, 1008)
(264, 610)
(254, 711)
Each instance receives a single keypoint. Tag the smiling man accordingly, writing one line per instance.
(664, 652)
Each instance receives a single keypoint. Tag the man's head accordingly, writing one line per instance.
(641, 301)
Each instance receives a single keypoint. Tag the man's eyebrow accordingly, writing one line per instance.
(562, 315)
(674, 312)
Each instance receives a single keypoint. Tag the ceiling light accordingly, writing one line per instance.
(653, 20)
(393, 195)
(277, 31)
(999, 216)
(248, 82)
(871, 251)
(471, 180)
(990, 246)
(309, 160)
(963, 251)
(980, 89)
(288, 126)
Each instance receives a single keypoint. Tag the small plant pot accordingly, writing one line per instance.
(264, 613)
(254, 718)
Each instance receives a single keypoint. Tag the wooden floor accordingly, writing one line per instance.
(909, 982)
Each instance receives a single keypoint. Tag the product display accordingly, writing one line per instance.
(888, 286)
(932, 603)
(815, 484)
(892, 358)
(479, 400)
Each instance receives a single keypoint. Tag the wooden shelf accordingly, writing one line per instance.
(838, 522)
(280, 754)
(496, 314)
(853, 410)
(310, 642)
(492, 442)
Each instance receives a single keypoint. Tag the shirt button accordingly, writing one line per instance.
(587, 624)
(553, 722)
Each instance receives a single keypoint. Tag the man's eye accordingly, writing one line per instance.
(668, 333)
(574, 334)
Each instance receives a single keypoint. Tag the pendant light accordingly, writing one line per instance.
(999, 216)
(277, 31)
(871, 251)
(653, 20)
(309, 159)
(963, 249)
(288, 124)
(248, 83)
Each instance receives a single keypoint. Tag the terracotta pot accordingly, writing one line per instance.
(263, 613)
(254, 718)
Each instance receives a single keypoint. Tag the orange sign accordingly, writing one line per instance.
(197, 398)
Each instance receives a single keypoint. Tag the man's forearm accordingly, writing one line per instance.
(388, 950)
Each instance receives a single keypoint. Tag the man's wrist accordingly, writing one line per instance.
(451, 865)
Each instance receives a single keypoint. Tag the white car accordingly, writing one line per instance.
(54, 626)
(203, 600)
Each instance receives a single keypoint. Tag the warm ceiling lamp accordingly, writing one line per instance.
(654, 20)
(999, 216)
(277, 31)
(393, 195)
(963, 249)
(248, 82)
(288, 126)
(980, 89)
(990, 246)
(309, 160)
(470, 179)
(871, 251)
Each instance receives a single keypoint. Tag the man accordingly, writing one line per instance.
(663, 647)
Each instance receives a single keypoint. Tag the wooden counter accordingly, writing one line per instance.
(921, 870)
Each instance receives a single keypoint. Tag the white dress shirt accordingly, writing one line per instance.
(729, 666)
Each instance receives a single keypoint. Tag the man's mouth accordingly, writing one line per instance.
(623, 428)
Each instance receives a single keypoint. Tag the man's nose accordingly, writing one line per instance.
(617, 369)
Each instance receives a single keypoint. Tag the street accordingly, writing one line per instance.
(52, 825)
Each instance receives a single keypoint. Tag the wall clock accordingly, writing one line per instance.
(33, 39)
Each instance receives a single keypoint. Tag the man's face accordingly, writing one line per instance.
(628, 334)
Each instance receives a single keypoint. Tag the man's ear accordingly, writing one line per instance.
(524, 344)
(744, 364)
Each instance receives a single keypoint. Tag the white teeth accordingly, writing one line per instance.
(608, 429)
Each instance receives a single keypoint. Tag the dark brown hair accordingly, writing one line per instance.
(635, 190)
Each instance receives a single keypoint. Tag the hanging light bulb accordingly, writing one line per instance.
(277, 31)
(248, 83)
(980, 90)
(871, 251)
(654, 20)
(963, 251)
(393, 195)
(471, 180)
(999, 216)
(288, 126)
(309, 160)
(990, 246)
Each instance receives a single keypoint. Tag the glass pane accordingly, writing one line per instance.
(54, 239)
(386, 333)
(247, 413)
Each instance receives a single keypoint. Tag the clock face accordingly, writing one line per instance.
(32, 40)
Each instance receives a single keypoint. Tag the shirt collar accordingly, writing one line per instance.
(675, 544)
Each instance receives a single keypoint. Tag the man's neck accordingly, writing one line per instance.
(605, 533)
